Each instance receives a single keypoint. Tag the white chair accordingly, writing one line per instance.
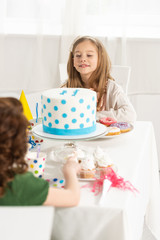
(26, 223)
(63, 72)
(121, 74)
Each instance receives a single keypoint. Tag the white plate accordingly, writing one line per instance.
(118, 135)
(100, 131)
(86, 179)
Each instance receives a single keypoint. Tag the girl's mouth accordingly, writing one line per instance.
(83, 65)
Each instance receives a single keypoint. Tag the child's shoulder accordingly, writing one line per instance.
(24, 176)
(113, 85)
(26, 179)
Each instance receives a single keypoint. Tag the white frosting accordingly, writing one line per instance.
(68, 110)
(102, 158)
(80, 153)
(98, 153)
(113, 129)
(88, 163)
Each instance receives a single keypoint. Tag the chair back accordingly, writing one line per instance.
(26, 223)
(63, 72)
(121, 74)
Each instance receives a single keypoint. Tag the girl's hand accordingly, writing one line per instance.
(71, 165)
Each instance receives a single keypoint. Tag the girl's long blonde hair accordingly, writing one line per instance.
(99, 78)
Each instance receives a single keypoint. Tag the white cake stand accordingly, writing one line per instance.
(101, 130)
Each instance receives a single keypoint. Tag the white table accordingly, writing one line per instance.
(122, 215)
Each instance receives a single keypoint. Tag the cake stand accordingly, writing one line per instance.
(101, 130)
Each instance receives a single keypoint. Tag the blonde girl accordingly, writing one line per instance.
(89, 66)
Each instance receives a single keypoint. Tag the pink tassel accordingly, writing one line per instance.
(116, 181)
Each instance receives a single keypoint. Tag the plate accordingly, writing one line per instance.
(118, 135)
(100, 131)
(86, 179)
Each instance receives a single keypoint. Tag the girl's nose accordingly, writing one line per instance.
(83, 59)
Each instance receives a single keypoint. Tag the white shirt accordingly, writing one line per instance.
(118, 106)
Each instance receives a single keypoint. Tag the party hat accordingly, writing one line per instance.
(26, 109)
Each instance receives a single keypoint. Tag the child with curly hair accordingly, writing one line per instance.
(18, 187)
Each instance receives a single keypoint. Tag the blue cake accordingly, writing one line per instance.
(69, 111)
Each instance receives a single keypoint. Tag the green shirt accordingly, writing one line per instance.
(25, 190)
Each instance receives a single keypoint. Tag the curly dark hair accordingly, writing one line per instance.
(13, 140)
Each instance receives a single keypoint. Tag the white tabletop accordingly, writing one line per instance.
(122, 214)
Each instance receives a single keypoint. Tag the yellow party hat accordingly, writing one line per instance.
(26, 109)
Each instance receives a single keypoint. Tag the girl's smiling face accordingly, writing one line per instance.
(85, 59)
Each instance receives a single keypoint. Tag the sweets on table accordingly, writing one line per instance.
(102, 158)
(88, 168)
(113, 131)
(80, 154)
(124, 126)
(107, 121)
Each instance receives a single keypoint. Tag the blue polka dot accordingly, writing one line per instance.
(35, 161)
(49, 124)
(55, 179)
(93, 123)
(56, 121)
(40, 166)
(55, 108)
(48, 100)
(61, 181)
(87, 120)
(93, 98)
(74, 120)
(81, 125)
(44, 106)
(64, 115)
(45, 119)
(40, 176)
(81, 115)
(81, 100)
(73, 109)
(49, 114)
(66, 126)
(42, 110)
(92, 111)
(88, 107)
(41, 97)
(63, 101)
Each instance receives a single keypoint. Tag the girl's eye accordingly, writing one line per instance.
(89, 55)
(77, 55)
